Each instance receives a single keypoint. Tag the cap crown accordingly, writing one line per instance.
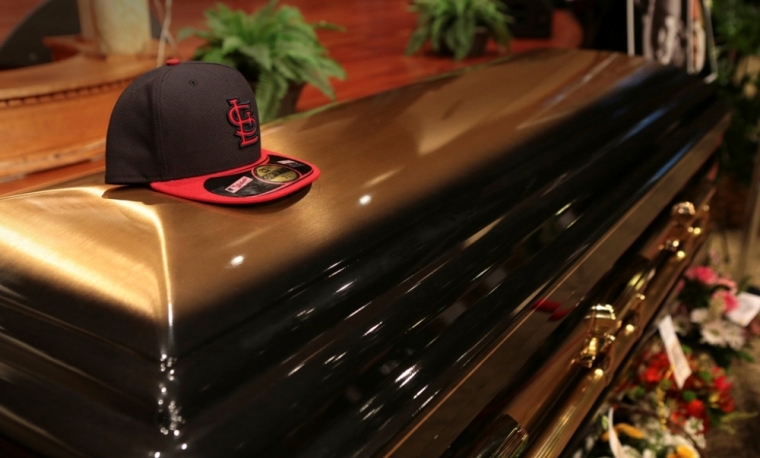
(182, 121)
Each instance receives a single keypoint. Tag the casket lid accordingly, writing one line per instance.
(161, 275)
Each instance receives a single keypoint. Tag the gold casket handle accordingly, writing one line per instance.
(502, 438)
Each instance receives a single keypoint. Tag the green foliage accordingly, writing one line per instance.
(451, 24)
(273, 47)
(739, 147)
(737, 23)
(728, 419)
(745, 356)
(737, 33)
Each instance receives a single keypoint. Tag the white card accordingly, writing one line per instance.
(681, 369)
(615, 445)
(749, 306)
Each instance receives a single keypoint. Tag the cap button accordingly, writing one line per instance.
(174, 61)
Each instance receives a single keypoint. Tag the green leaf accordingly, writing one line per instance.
(232, 43)
(416, 40)
(689, 395)
(289, 70)
(259, 53)
(605, 422)
(333, 69)
(329, 26)
(745, 356)
(217, 56)
(436, 31)
(269, 93)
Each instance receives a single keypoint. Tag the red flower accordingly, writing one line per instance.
(678, 418)
(726, 404)
(722, 384)
(696, 408)
(651, 375)
(659, 361)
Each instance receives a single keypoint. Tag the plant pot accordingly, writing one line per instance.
(289, 100)
(478, 48)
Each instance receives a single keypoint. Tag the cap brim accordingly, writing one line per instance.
(271, 177)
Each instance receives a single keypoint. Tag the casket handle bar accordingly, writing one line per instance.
(619, 316)
(602, 328)
(502, 438)
(605, 320)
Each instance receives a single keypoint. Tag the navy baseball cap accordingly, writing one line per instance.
(191, 130)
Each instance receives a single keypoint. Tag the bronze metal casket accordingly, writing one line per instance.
(450, 286)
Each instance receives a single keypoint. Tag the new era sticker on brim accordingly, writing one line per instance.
(277, 173)
(272, 177)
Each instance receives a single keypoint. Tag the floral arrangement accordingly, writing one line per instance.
(654, 417)
(659, 420)
(705, 396)
(705, 298)
(643, 436)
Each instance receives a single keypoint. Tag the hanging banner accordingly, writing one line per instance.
(673, 32)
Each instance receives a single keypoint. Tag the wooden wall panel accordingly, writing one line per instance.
(371, 49)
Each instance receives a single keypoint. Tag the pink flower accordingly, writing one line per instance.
(702, 274)
(730, 302)
(728, 283)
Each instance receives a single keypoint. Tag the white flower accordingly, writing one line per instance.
(712, 333)
(648, 454)
(694, 427)
(699, 316)
(630, 452)
(723, 333)
(590, 441)
(733, 334)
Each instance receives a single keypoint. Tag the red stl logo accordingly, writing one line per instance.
(239, 115)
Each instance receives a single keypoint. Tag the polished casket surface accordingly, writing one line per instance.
(328, 323)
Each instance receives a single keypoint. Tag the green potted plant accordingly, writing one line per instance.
(459, 27)
(274, 48)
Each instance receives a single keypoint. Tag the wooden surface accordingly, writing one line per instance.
(74, 74)
(57, 114)
(371, 50)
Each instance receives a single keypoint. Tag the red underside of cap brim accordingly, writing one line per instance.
(193, 188)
